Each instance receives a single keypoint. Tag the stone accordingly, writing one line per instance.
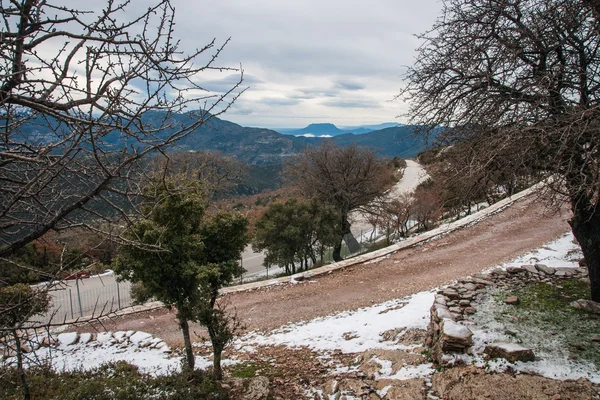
(565, 271)
(513, 300)
(414, 389)
(582, 263)
(545, 269)
(442, 312)
(450, 293)
(587, 305)
(470, 310)
(104, 337)
(256, 388)
(68, 339)
(530, 268)
(498, 272)
(470, 286)
(455, 337)
(464, 303)
(138, 337)
(514, 270)
(483, 281)
(85, 338)
(511, 352)
(596, 339)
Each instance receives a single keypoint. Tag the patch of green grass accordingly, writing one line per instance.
(245, 370)
(545, 310)
(118, 380)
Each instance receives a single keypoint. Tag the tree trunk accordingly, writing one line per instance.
(217, 346)
(345, 229)
(189, 354)
(20, 369)
(217, 370)
(585, 225)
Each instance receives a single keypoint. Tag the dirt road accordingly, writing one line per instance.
(522, 227)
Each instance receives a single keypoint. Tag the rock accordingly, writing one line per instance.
(414, 389)
(514, 270)
(583, 263)
(138, 337)
(511, 352)
(331, 387)
(464, 303)
(85, 338)
(455, 310)
(482, 281)
(68, 339)
(450, 293)
(442, 312)
(498, 272)
(530, 268)
(256, 388)
(104, 337)
(454, 337)
(513, 300)
(356, 387)
(470, 310)
(120, 336)
(470, 286)
(565, 271)
(545, 269)
(587, 305)
(596, 339)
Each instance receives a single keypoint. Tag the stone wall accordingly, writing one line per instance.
(448, 330)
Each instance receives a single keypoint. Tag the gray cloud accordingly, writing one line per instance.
(277, 101)
(225, 84)
(349, 85)
(346, 103)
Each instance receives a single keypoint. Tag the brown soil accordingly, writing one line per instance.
(522, 227)
(469, 383)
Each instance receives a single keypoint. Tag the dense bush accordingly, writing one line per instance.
(118, 380)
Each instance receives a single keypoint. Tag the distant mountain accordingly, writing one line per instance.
(257, 145)
(369, 128)
(325, 129)
(328, 129)
(390, 142)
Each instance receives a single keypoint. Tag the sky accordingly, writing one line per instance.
(309, 61)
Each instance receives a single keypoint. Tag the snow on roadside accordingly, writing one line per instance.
(351, 331)
(77, 352)
(561, 253)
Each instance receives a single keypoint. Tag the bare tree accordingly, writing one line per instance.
(218, 173)
(84, 95)
(520, 80)
(347, 178)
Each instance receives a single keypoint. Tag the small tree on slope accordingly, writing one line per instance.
(193, 258)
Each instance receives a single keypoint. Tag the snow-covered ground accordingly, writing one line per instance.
(349, 332)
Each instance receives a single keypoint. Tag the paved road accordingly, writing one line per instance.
(84, 297)
(414, 174)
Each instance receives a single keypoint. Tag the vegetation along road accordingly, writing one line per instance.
(522, 227)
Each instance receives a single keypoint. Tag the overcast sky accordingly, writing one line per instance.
(306, 61)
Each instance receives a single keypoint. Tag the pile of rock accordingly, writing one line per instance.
(123, 339)
(448, 330)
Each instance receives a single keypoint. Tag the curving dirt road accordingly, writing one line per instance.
(522, 227)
